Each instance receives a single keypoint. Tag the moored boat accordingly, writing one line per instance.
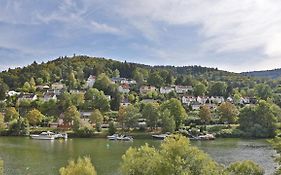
(44, 136)
(160, 136)
(207, 137)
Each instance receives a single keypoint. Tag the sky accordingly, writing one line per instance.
(226, 34)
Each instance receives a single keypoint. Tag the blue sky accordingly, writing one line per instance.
(231, 35)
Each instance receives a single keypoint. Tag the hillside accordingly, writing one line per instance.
(83, 66)
(273, 74)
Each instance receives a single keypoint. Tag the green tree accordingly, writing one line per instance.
(34, 117)
(205, 114)
(26, 87)
(259, 120)
(97, 100)
(10, 114)
(218, 89)
(3, 90)
(176, 110)
(72, 81)
(131, 116)
(83, 166)
(167, 121)
(175, 156)
(200, 89)
(2, 123)
(111, 128)
(19, 127)
(116, 73)
(97, 118)
(103, 82)
(246, 167)
(72, 116)
(77, 99)
(155, 79)
(228, 112)
(263, 91)
(151, 113)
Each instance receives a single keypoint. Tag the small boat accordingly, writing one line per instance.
(207, 137)
(112, 137)
(44, 136)
(160, 136)
(121, 137)
(61, 135)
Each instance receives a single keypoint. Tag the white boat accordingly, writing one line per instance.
(160, 136)
(44, 136)
(207, 137)
(121, 137)
(112, 137)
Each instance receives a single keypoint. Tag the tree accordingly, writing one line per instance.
(151, 113)
(77, 99)
(175, 156)
(246, 167)
(200, 89)
(96, 99)
(263, 91)
(176, 110)
(83, 166)
(218, 89)
(103, 82)
(19, 126)
(168, 122)
(34, 117)
(276, 144)
(2, 123)
(205, 114)
(111, 128)
(65, 101)
(116, 73)
(228, 112)
(97, 118)
(259, 120)
(3, 90)
(155, 79)
(26, 87)
(71, 115)
(72, 81)
(11, 114)
(131, 116)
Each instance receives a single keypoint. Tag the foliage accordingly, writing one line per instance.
(246, 167)
(96, 99)
(11, 114)
(83, 166)
(175, 156)
(3, 90)
(85, 131)
(228, 112)
(176, 110)
(168, 122)
(111, 128)
(34, 117)
(131, 116)
(151, 113)
(218, 89)
(2, 124)
(72, 115)
(97, 118)
(200, 89)
(19, 127)
(263, 91)
(259, 120)
(205, 114)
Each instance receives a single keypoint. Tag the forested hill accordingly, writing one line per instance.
(275, 73)
(81, 67)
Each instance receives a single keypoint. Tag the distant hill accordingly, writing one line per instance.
(273, 74)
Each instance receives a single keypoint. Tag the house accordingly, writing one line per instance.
(108, 97)
(229, 99)
(30, 97)
(146, 89)
(149, 101)
(183, 89)
(216, 100)
(50, 96)
(125, 102)
(166, 90)
(55, 91)
(90, 81)
(124, 88)
(188, 99)
(13, 93)
(57, 86)
(118, 80)
(42, 87)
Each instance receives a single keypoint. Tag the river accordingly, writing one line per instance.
(24, 156)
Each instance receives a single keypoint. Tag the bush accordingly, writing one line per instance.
(111, 129)
(85, 132)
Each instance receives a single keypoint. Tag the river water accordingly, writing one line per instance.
(24, 156)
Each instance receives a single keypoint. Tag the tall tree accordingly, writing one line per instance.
(71, 115)
(151, 113)
(10, 114)
(176, 110)
(82, 166)
(263, 91)
(97, 118)
(228, 112)
(218, 89)
(34, 117)
(200, 89)
(3, 90)
(205, 114)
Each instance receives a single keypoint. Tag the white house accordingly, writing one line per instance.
(30, 97)
(90, 81)
(166, 90)
(124, 88)
(183, 89)
(50, 96)
(188, 99)
(57, 86)
(13, 93)
(146, 89)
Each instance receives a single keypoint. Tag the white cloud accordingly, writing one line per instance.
(226, 25)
